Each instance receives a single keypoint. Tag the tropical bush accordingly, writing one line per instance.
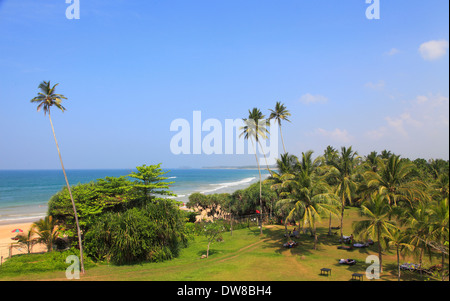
(155, 232)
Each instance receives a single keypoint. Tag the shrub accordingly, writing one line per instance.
(154, 233)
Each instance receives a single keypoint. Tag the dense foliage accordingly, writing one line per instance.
(155, 232)
(124, 221)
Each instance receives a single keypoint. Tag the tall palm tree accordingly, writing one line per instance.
(46, 99)
(47, 231)
(342, 171)
(280, 113)
(376, 223)
(252, 130)
(309, 194)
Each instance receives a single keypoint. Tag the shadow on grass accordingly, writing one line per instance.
(277, 239)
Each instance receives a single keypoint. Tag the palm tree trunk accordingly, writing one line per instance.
(265, 158)
(420, 260)
(282, 141)
(260, 189)
(315, 236)
(286, 229)
(342, 217)
(379, 253)
(443, 261)
(398, 264)
(71, 197)
(329, 226)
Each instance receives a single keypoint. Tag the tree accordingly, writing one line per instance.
(47, 231)
(439, 226)
(47, 98)
(27, 240)
(399, 240)
(376, 223)
(309, 194)
(280, 113)
(286, 163)
(330, 154)
(417, 219)
(253, 129)
(212, 231)
(372, 161)
(341, 171)
(393, 182)
(150, 183)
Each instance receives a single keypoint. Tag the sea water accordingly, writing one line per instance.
(24, 194)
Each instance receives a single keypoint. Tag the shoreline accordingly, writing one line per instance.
(25, 223)
(228, 187)
(21, 221)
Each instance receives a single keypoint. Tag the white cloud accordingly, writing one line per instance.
(377, 134)
(392, 52)
(308, 98)
(336, 135)
(398, 123)
(426, 114)
(433, 50)
(375, 86)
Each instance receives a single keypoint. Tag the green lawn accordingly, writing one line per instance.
(248, 256)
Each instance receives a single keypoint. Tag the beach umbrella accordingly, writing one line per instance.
(17, 230)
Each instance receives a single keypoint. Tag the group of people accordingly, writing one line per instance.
(347, 261)
(349, 240)
(294, 233)
(290, 244)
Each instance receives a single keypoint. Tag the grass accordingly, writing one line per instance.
(244, 256)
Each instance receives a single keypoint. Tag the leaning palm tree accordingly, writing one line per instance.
(375, 223)
(253, 131)
(280, 113)
(46, 99)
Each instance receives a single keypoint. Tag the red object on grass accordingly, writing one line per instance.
(257, 211)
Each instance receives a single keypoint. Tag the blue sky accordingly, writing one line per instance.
(129, 68)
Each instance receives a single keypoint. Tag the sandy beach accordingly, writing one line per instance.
(5, 240)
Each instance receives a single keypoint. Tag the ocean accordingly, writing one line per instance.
(24, 194)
